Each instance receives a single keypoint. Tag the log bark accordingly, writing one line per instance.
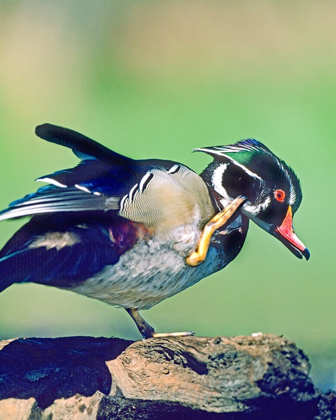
(255, 377)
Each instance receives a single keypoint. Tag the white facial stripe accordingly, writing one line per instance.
(233, 149)
(292, 195)
(221, 153)
(252, 174)
(210, 151)
(217, 180)
(52, 181)
(255, 210)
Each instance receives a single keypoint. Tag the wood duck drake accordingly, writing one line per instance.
(129, 232)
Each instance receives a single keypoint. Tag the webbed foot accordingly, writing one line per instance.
(219, 220)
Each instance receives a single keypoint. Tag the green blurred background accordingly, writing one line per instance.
(157, 79)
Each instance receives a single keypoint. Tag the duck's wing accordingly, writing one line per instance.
(100, 180)
(157, 193)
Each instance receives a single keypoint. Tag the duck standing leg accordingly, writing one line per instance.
(147, 331)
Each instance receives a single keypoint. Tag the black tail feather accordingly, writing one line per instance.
(79, 143)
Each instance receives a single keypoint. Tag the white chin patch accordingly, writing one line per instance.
(249, 209)
(217, 182)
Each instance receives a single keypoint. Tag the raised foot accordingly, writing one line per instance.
(173, 334)
(220, 219)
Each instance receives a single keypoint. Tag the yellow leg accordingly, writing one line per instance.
(147, 330)
(198, 256)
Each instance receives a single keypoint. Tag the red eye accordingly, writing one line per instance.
(280, 195)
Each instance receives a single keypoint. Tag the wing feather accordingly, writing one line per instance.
(55, 200)
(153, 192)
(82, 146)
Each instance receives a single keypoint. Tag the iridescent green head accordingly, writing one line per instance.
(272, 188)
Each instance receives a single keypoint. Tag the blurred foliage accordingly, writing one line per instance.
(157, 79)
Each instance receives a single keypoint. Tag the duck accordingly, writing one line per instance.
(132, 233)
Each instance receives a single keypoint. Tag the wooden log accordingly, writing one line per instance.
(254, 377)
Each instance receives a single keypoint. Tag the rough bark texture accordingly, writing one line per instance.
(257, 377)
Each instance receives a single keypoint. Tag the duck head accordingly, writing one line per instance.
(248, 168)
